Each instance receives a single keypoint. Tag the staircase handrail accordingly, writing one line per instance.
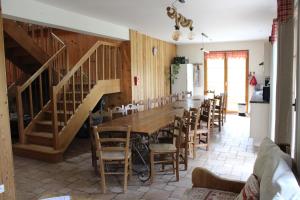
(59, 90)
(60, 57)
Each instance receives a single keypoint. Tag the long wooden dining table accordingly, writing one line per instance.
(146, 124)
(151, 121)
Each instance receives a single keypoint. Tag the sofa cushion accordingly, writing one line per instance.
(278, 182)
(250, 190)
(208, 194)
(267, 148)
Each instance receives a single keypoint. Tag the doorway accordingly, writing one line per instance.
(227, 72)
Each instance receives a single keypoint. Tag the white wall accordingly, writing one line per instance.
(44, 14)
(256, 54)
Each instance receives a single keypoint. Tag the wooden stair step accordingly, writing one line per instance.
(39, 152)
(41, 134)
(40, 138)
(45, 126)
(69, 102)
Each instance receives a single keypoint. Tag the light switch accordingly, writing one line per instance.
(1, 189)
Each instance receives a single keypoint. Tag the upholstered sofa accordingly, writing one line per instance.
(272, 171)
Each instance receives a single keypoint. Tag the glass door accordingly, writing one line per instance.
(226, 72)
(236, 81)
(215, 75)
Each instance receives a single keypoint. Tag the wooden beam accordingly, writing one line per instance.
(6, 159)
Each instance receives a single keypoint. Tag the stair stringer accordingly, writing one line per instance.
(101, 88)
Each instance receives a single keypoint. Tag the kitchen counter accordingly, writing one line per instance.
(259, 118)
(257, 97)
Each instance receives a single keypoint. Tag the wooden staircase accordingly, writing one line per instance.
(74, 92)
(27, 46)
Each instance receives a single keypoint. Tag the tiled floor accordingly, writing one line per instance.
(231, 155)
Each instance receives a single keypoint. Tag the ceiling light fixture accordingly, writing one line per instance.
(203, 49)
(176, 34)
(180, 20)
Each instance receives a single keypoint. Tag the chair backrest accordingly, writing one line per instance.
(187, 94)
(174, 98)
(131, 108)
(210, 93)
(219, 101)
(112, 138)
(154, 103)
(186, 117)
(177, 131)
(195, 116)
(165, 100)
(207, 112)
(118, 111)
(142, 105)
(224, 102)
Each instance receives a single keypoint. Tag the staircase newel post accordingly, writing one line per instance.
(20, 115)
(54, 117)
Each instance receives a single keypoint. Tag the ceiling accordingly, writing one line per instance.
(221, 20)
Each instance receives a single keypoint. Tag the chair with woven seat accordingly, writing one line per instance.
(165, 100)
(142, 105)
(217, 120)
(154, 103)
(118, 112)
(131, 108)
(186, 94)
(112, 147)
(163, 150)
(194, 124)
(184, 140)
(95, 119)
(224, 106)
(174, 98)
(205, 124)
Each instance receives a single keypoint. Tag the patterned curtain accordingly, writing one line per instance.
(274, 32)
(223, 54)
(285, 10)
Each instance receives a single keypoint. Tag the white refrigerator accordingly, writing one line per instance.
(184, 79)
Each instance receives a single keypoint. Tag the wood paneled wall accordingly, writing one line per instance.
(153, 71)
(78, 44)
(13, 73)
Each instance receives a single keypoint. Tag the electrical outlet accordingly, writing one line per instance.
(1, 189)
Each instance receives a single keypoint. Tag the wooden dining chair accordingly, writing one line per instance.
(224, 107)
(118, 112)
(187, 94)
(95, 119)
(202, 137)
(194, 125)
(184, 140)
(217, 120)
(142, 105)
(154, 103)
(163, 150)
(174, 98)
(113, 149)
(165, 100)
(131, 109)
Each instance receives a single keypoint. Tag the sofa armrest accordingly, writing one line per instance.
(206, 179)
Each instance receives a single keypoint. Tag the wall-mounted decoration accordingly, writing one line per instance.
(154, 51)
